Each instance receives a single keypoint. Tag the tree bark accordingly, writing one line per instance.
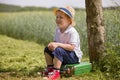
(95, 30)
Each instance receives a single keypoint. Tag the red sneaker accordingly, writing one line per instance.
(46, 71)
(52, 75)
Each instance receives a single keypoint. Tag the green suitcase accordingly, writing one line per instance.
(76, 69)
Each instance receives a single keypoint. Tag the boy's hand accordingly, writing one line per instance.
(52, 46)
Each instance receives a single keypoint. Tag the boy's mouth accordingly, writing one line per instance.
(58, 23)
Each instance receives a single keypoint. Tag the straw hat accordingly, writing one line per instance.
(68, 11)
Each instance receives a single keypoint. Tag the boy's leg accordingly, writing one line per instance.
(57, 63)
(49, 59)
(60, 56)
(64, 56)
(55, 74)
(48, 56)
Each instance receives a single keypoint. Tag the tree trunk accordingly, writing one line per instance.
(95, 30)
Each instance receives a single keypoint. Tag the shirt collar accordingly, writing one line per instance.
(66, 31)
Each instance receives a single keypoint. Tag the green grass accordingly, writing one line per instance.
(20, 56)
(23, 59)
(28, 25)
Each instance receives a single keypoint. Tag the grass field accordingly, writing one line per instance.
(23, 36)
(21, 60)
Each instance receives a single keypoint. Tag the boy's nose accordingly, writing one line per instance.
(58, 19)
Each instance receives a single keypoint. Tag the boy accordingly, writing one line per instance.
(66, 46)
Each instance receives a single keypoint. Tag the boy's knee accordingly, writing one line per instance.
(47, 50)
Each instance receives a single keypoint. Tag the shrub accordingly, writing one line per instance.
(110, 65)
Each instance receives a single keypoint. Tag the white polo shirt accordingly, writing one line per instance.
(69, 36)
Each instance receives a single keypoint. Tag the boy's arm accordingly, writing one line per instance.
(53, 45)
(69, 47)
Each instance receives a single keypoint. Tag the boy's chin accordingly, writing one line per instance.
(60, 26)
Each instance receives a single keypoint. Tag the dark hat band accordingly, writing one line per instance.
(67, 11)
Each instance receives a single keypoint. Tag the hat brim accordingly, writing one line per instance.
(55, 10)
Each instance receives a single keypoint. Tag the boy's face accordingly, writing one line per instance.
(62, 20)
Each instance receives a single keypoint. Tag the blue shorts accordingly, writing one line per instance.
(66, 57)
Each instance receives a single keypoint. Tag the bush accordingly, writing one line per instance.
(110, 66)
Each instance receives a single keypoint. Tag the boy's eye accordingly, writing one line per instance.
(57, 16)
(61, 17)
